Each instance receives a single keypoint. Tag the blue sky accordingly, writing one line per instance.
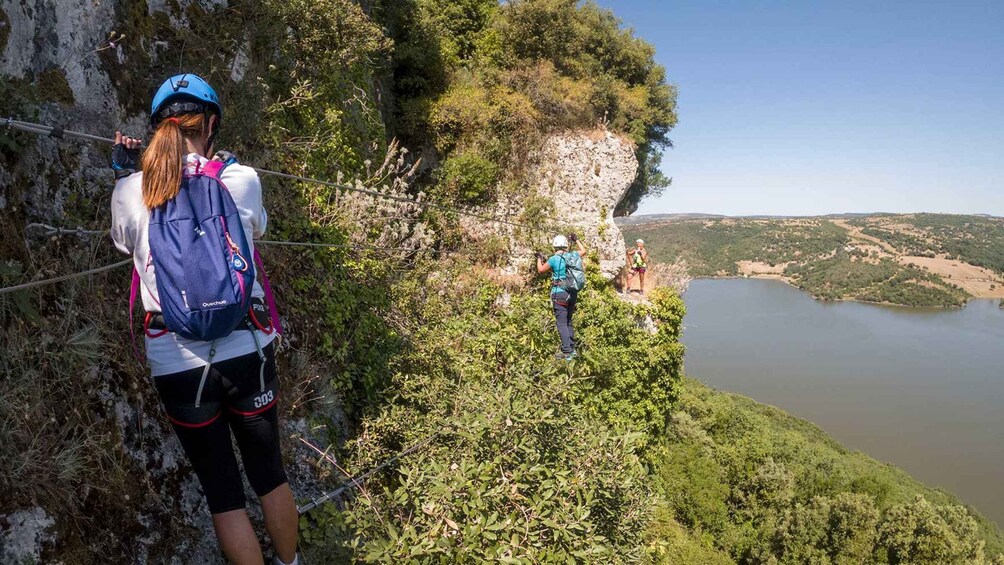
(822, 107)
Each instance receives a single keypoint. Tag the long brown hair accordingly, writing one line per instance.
(163, 160)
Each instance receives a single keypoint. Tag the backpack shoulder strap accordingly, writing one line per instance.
(273, 312)
(213, 169)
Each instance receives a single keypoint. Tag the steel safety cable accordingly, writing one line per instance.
(53, 230)
(61, 133)
(357, 481)
(62, 278)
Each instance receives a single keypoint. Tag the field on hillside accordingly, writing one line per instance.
(927, 260)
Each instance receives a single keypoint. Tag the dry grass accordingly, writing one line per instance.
(978, 281)
(53, 441)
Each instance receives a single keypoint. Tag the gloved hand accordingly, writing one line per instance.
(573, 238)
(540, 256)
(227, 157)
(125, 155)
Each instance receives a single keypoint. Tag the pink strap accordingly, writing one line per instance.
(213, 169)
(273, 312)
(133, 294)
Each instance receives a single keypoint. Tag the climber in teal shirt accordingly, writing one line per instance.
(563, 301)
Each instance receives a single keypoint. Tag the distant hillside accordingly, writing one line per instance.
(649, 218)
(911, 260)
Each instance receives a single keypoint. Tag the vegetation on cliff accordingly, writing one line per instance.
(613, 457)
(760, 486)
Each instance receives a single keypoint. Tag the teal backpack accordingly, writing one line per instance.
(575, 276)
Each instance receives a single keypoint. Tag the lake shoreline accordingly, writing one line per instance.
(787, 281)
(916, 260)
(919, 388)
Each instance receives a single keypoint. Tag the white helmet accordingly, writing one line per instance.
(641, 241)
(559, 241)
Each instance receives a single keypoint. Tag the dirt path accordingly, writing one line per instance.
(633, 283)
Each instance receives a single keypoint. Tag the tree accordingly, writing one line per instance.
(920, 532)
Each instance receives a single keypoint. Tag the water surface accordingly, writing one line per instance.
(921, 389)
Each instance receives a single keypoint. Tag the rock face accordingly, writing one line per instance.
(24, 534)
(52, 46)
(583, 175)
(57, 56)
(586, 174)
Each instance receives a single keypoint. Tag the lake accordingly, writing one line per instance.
(921, 389)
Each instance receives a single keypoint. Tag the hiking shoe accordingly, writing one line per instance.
(572, 355)
(297, 560)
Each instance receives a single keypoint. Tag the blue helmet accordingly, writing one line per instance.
(184, 94)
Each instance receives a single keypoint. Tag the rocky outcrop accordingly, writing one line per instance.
(583, 176)
(81, 64)
(586, 175)
(24, 534)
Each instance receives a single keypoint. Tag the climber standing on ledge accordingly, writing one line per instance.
(637, 265)
(567, 279)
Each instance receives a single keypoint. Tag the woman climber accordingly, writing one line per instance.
(189, 223)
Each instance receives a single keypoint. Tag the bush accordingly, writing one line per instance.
(497, 77)
(468, 178)
(839, 531)
(920, 532)
(765, 487)
(528, 463)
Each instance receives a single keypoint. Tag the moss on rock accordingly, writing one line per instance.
(53, 87)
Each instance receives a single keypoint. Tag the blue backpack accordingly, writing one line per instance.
(202, 258)
(575, 276)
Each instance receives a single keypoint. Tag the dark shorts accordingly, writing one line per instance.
(238, 396)
(639, 269)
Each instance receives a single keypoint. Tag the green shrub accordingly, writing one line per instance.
(841, 530)
(693, 483)
(765, 487)
(468, 178)
(923, 533)
(529, 464)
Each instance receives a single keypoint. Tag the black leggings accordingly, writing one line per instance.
(237, 396)
(564, 303)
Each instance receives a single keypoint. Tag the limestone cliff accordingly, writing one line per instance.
(586, 175)
(583, 175)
